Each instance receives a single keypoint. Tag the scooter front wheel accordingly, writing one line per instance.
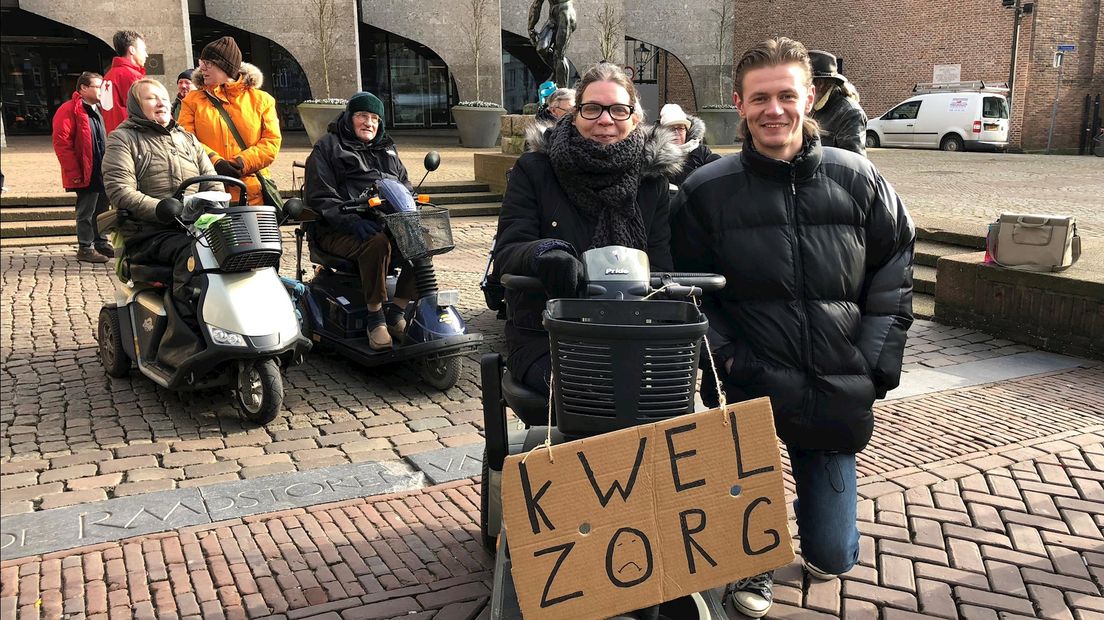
(442, 372)
(259, 390)
(112, 355)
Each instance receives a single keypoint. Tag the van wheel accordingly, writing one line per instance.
(112, 355)
(259, 390)
(951, 142)
(872, 140)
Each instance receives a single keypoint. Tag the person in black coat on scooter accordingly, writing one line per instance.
(596, 178)
(349, 159)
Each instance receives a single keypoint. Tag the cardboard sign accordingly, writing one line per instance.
(629, 519)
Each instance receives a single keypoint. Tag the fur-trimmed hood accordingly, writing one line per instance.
(250, 77)
(662, 157)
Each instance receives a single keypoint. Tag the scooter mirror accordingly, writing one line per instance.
(432, 161)
(293, 208)
(168, 209)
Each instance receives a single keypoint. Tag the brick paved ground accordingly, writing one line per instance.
(69, 434)
(1011, 529)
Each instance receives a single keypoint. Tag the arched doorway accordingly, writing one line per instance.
(410, 78)
(40, 61)
(284, 77)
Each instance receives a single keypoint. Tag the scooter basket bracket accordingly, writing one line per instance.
(247, 238)
(618, 364)
(422, 233)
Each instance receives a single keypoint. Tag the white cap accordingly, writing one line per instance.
(672, 114)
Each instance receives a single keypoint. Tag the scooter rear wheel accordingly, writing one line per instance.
(259, 390)
(112, 355)
(442, 372)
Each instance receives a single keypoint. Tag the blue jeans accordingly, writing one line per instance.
(826, 508)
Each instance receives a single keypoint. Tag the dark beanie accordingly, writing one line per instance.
(224, 54)
(185, 75)
(365, 102)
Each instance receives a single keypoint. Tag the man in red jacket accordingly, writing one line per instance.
(127, 67)
(79, 142)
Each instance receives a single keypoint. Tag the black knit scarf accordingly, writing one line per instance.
(601, 181)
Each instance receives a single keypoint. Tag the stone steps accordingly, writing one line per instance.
(54, 216)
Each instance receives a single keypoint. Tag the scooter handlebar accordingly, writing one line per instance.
(243, 199)
(679, 284)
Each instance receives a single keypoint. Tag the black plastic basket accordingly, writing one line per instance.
(421, 233)
(247, 238)
(617, 364)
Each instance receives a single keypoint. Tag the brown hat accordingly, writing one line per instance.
(224, 54)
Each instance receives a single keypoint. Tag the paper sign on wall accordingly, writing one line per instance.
(629, 519)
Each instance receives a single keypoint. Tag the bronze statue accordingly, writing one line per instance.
(551, 40)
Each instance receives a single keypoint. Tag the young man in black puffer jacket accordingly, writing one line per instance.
(817, 251)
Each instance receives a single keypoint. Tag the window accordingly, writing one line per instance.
(905, 111)
(994, 107)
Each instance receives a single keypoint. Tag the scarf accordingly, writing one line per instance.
(601, 181)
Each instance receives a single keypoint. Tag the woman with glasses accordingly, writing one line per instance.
(596, 178)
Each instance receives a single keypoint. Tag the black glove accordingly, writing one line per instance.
(560, 272)
(363, 229)
(228, 168)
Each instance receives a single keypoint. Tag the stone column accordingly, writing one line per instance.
(162, 23)
(293, 25)
(439, 25)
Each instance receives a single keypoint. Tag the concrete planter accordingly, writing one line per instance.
(720, 126)
(479, 127)
(317, 118)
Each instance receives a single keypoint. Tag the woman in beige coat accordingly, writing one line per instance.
(148, 156)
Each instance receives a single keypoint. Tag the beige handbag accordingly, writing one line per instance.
(1034, 242)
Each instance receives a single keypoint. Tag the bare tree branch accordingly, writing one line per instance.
(725, 16)
(610, 28)
(323, 18)
(476, 33)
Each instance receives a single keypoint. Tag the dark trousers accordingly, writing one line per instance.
(90, 203)
(373, 258)
(173, 248)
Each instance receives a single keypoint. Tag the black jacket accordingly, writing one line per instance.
(341, 166)
(537, 215)
(842, 123)
(699, 154)
(818, 258)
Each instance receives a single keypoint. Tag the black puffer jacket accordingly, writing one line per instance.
(818, 257)
(842, 123)
(699, 154)
(536, 213)
(341, 166)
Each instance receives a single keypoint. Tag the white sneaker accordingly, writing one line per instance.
(818, 574)
(753, 596)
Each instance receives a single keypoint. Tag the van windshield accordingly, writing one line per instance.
(994, 107)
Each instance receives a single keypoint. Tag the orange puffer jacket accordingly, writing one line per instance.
(254, 114)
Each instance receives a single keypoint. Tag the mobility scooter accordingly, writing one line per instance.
(246, 321)
(332, 305)
(626, 354)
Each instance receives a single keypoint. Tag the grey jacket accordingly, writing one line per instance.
(146, 162)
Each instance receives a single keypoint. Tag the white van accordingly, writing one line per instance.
(950, 117)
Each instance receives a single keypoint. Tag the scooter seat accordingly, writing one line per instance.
(529, 406)
(150, 274)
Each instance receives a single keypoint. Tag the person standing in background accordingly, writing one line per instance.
(184, 86)
(842, 120)
(128, 66)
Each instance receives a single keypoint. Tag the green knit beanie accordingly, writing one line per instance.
(365, 102)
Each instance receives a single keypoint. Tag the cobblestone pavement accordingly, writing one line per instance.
(69, 434)
(1008, 526)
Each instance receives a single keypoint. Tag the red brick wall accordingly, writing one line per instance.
(1076, 22)
(888, 47)
(675, 85)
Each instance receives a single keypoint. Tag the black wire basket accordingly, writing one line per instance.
(421, 233)
(247, 238)
(617, 364)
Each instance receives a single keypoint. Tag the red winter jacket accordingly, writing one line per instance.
(116, 86)
(73, 143)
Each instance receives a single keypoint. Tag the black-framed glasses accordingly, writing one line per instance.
(617, 111)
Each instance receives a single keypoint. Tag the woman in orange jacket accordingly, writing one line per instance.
(237, 86)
